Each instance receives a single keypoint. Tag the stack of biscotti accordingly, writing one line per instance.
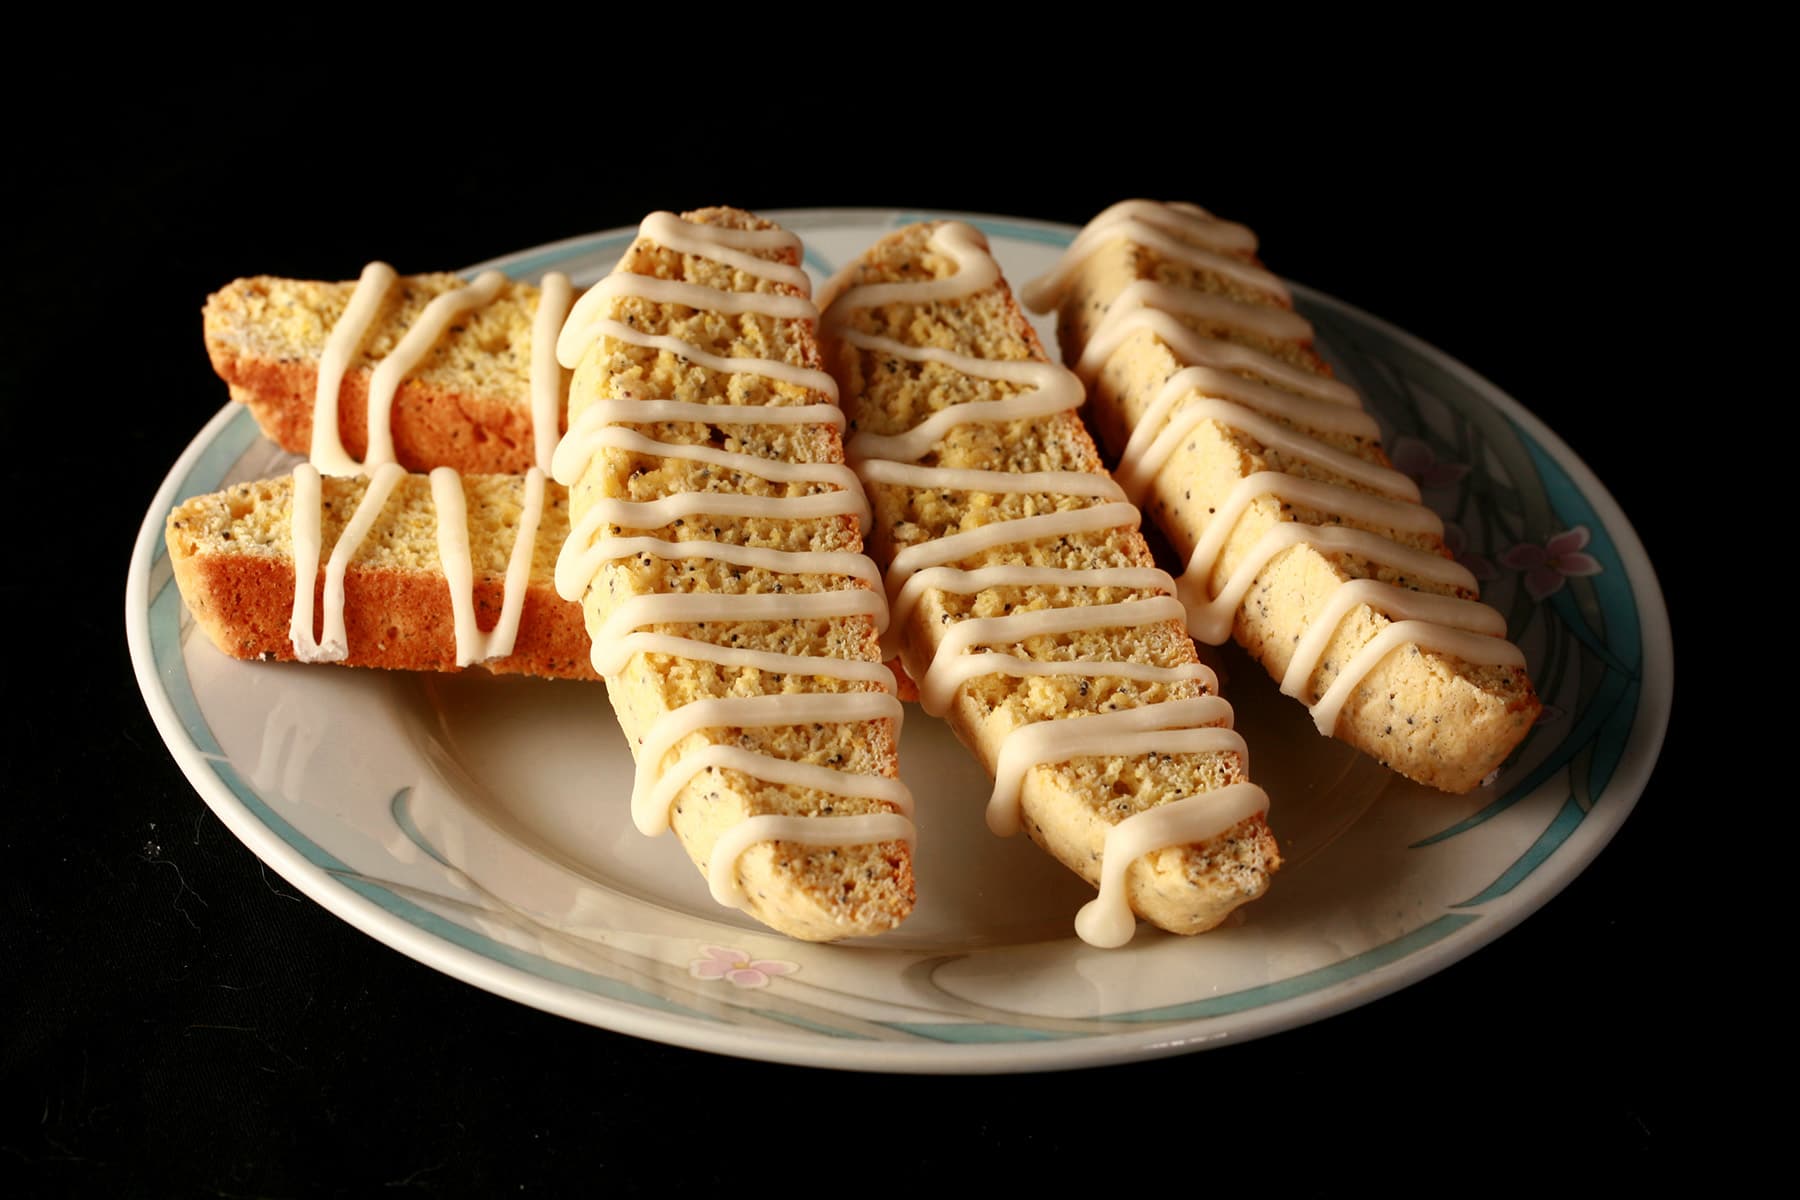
(681, 513)
(467, 406)
(475, 373)
(900, 363)
(233, 556)
(1205, 382)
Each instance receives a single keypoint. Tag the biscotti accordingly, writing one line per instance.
(351, 559)
(1026, 605)
(396, 605)
(717, 556)
(1268, 478)
(466, 401)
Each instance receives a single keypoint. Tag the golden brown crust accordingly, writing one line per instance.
(395, 620)
(432, 427)
(443, 416)
(240, 591)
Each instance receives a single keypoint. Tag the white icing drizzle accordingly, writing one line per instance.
(1276, 324)
(577, 565)
(937, 685)
(345, 339)
(783, 773)
(581, 330)
(976, 271)
(1209, 619)
(1477, 648)
(1106, 920)
(1212, 386)
(626, 411)
(999, 483)
(1323, 416)
(967, 583)
(472, 645)
(1049, 389)
(698, 607)
(1195, 348)
(744, 712)
(624, 647)
(1092, 519)
(945, 676)
(592, 439)
(577, 447)
(768, 368)
(1386, 598)
(328, 452)
(328, 456)
(333, 644)
(863, 830)
(304, 520)
(1326, 497)
(1166, 728)
(1161, 227)
(1279, 437)
(653, 514)
(892, 460)
(728, 246)
(592, 543)
(555, 293)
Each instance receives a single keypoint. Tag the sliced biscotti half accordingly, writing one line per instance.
(234, 555)
(723, 581)
(1269, 480)
(467, 404)
(1026, 604)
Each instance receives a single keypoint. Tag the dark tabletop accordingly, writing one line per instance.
(177, 1019)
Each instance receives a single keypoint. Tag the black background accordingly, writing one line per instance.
(177, 1020)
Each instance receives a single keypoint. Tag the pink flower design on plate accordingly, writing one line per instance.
(1413, 457)
(724, 962)
(1457, 542)
(1548, 566)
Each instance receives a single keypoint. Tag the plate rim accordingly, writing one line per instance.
(1500, 915)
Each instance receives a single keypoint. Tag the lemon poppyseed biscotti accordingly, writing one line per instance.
(1265, 473)
(350, 559)
(388, 600)
(717, 556)
(1026, 605)
(465, 398)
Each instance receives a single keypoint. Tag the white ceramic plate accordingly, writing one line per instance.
(480, 826)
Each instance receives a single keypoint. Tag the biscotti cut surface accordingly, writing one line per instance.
(233, 557)
(789, 627)
(904, 357)
(467, 406)
(1206, 385)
